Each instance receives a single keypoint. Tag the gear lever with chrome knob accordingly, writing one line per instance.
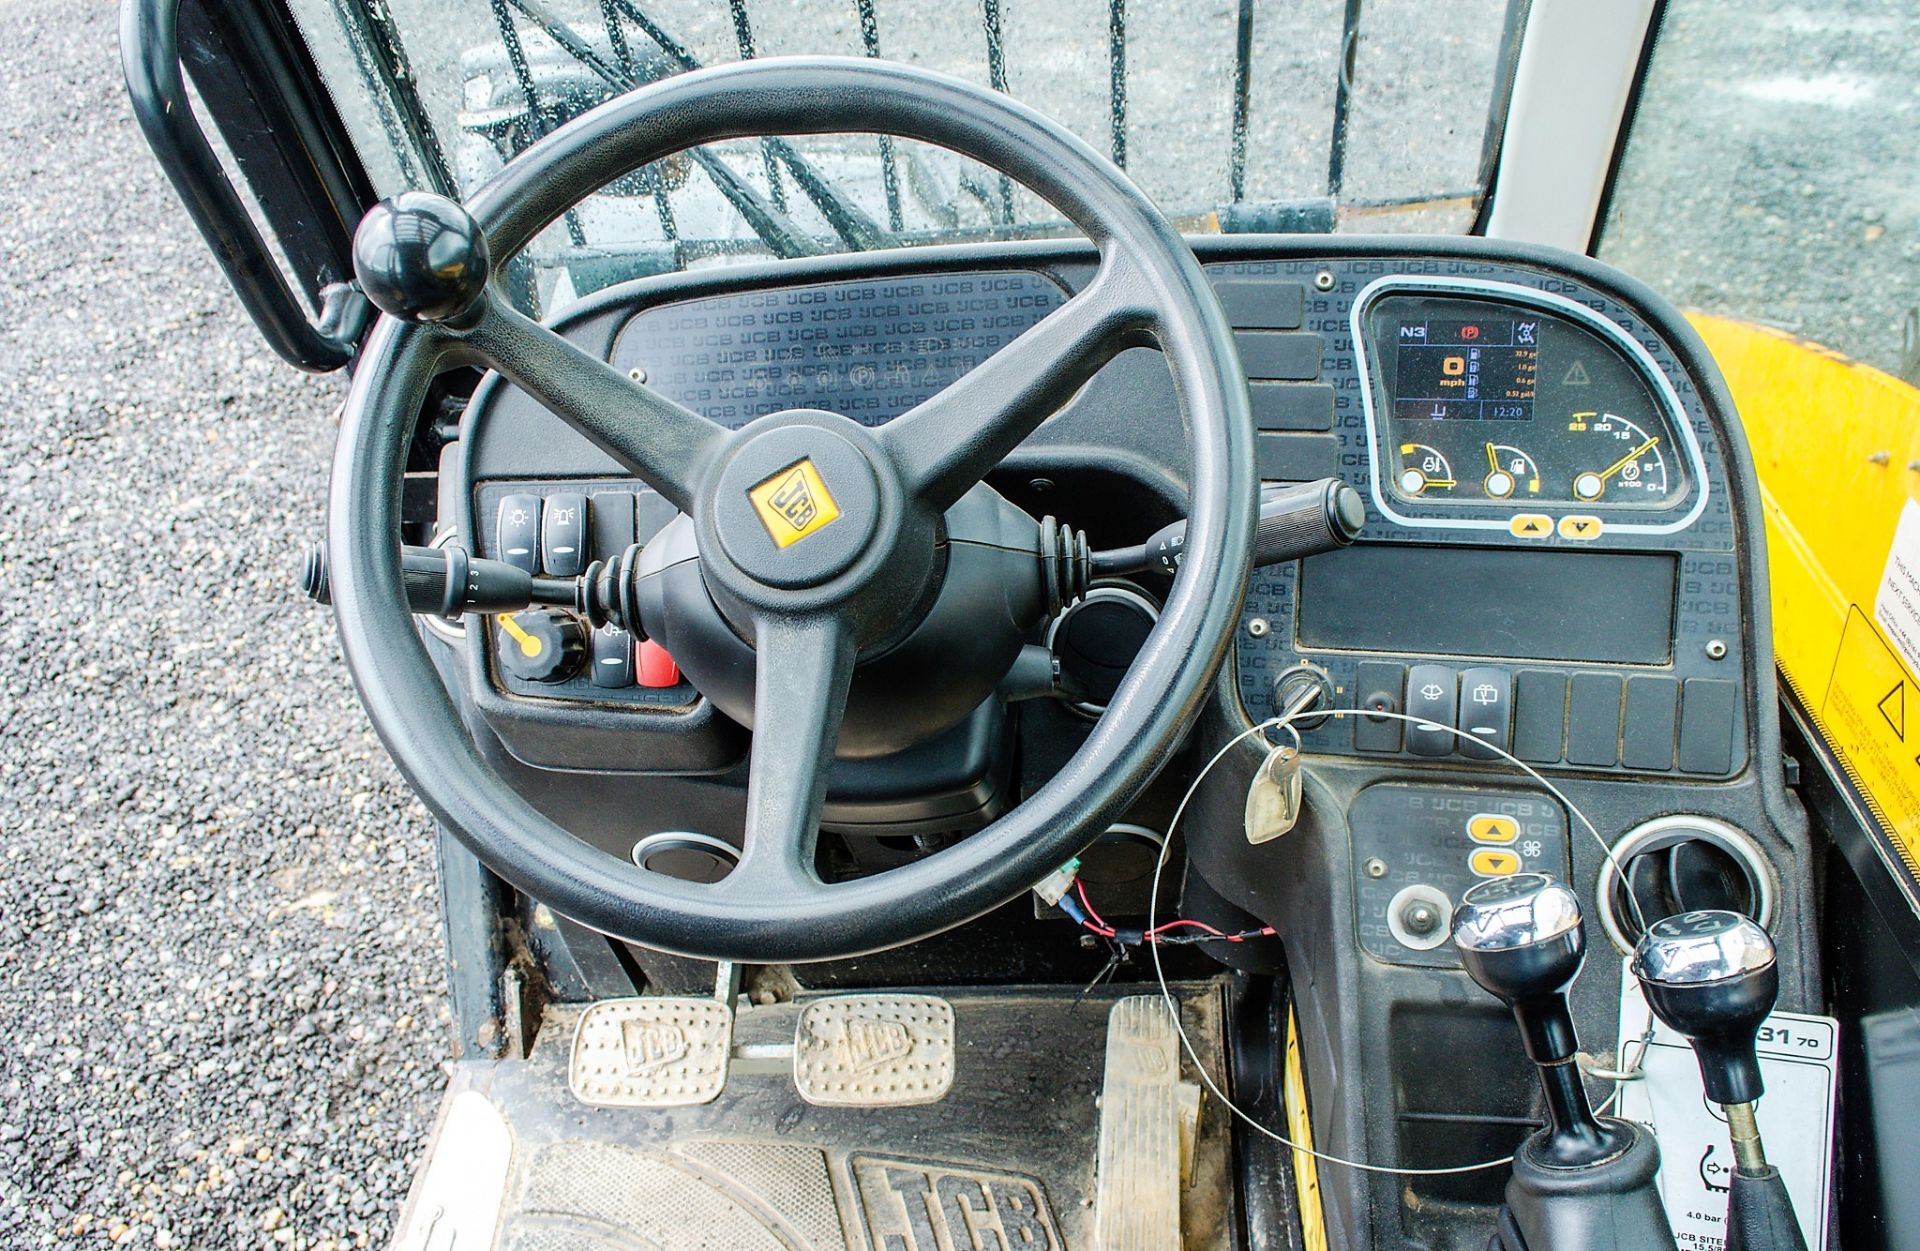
(1711, 977)
(1583, 1182)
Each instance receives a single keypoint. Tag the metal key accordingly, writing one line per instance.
(1273, 798)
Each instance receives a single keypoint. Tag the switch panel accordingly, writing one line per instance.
(558, 528)
(1415, 844)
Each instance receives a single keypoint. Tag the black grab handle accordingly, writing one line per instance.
(150, 58)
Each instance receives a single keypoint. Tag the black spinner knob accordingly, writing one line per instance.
(421, 257)
(542, 644)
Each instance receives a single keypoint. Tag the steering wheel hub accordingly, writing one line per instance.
(799, 498)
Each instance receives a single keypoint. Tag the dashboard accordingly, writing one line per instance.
(1543, 496)
(1562, 564)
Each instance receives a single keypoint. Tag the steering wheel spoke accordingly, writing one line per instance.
(805, 667)
(663, 442)
(949, 442)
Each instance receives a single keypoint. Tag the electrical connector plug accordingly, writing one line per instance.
(1054, 886)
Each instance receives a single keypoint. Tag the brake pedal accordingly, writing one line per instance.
(1147, 1121)
(874, 1051)
(653, 1051)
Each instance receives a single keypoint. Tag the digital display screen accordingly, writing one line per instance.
(1492, 403)
(1484, 369)
(1614, 607)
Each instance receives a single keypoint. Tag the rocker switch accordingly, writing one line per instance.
(612, 658)
(1432, 695)
(520, 532)
(563, 535)
(655, 667)
(1486, 712)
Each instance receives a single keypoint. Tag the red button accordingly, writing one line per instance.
(656, 665)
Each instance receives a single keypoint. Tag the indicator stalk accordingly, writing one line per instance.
(1295, 521)
(447, 582)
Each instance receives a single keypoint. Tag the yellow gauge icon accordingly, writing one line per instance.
(1508, 470)
(1423, 469)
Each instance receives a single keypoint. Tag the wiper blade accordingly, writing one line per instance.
(849, 222)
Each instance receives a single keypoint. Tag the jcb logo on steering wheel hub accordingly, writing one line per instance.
(794, 503)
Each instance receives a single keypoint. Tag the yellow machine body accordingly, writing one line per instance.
(1836, 445)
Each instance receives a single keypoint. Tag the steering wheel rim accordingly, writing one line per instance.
(1149, 284)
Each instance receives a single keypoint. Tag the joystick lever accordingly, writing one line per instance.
(1712, 977)
(1520, 938)
(1584, 1182)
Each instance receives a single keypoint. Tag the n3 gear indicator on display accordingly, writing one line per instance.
(1497, 400)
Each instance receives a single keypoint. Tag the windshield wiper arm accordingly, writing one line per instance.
(774, 227)
(848, 220)
(855, 228)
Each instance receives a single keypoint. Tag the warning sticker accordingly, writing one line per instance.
(1896, 606)
(1872, 719)
(1798, 1057)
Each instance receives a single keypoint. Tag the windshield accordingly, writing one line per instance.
(1234, 117)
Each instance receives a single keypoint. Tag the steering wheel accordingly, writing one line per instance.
(816, 607)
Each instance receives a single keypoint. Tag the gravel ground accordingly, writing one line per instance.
(220, 983)
(1771, 176)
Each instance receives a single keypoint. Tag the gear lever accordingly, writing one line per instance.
(1711, 977)
(1583, 1183)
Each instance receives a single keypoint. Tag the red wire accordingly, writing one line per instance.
(1202, 925)
(1080, 888)
(1098, 924)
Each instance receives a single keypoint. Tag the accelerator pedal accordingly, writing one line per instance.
(874, 1051)
(1148, 1118)
(653, 1051)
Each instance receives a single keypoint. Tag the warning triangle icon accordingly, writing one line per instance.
(1576, 376)
(1893, 706)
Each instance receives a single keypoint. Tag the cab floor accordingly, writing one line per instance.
(1006, 1159)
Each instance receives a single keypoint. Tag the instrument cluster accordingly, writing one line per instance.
(1490, 404)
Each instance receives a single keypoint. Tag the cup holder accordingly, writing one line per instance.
(1678, 864)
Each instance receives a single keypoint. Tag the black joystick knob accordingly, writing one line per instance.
(542, 645)
(421, 257)
(1520, 937)
(1711, 978)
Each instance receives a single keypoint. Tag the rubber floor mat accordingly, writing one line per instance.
(1006, 1160)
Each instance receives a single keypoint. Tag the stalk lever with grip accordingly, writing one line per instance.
(1296, 520)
